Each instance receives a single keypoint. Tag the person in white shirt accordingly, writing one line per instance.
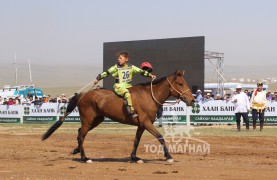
(242, 106)
(26, 100)
(258, 105)
(198, 96)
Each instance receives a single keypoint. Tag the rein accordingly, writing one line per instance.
(93, 87)
(181, 94)
(168, 104)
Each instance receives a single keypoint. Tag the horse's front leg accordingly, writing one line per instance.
(139, 133)
(150, 127)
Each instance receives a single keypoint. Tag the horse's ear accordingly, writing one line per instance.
(179, 73)
(176, 73)
(183, 72)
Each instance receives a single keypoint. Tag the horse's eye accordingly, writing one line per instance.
(180, 84)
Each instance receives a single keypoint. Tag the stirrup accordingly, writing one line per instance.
(134, 115)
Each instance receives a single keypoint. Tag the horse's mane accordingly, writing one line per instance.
(156, 81)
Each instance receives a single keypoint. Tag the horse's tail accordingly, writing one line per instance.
(70, 107)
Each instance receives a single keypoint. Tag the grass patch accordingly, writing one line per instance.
(232, 131)
(122, 129)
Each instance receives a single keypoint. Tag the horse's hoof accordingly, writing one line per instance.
(75, 151)
(136, 160)
(170, 161)
(140, 161)
(89, 161)
(86, 160)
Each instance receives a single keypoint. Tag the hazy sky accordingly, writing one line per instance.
(73, 31)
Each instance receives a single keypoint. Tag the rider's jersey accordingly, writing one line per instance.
(123, 74)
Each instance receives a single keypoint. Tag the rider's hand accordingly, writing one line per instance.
(153, 76)
(95, 81)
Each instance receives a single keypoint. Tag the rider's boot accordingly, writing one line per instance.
(130, 111)
(129, 108)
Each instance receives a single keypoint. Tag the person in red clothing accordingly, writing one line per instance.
(10, 101)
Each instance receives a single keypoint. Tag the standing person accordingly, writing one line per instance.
(64, 99)
(209, 97)
(275, 95)
(258, 105)
(268, 96)
(5, 102)
(10, 101)
(26, 100)
(29, 94)
(242, 105)
(123, 73)
(249, 94)
(198, 96)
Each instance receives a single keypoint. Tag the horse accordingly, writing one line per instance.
(147, 98)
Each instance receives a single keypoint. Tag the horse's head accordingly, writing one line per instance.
(179, 87)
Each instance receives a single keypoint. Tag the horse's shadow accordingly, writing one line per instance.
(122, 160)
(104, 159)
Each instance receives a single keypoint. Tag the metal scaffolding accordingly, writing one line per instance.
(209, 55)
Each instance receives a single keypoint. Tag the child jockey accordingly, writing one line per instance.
(123, 73)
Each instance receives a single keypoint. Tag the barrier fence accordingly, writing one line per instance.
(211, 112)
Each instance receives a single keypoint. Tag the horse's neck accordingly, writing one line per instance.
(161, 91)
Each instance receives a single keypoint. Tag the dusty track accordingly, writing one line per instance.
(24, 156)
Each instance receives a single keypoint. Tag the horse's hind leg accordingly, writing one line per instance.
(81, 137)
(139, 133)
(150, 127)
(77, 149)
(94, 124)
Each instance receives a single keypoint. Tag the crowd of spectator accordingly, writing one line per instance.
(29, 99)
(199, 96)
(204, 97)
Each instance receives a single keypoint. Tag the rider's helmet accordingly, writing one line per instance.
(146, 66)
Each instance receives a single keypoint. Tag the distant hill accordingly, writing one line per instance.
(70, 78)
(243, 71)
(50, 75)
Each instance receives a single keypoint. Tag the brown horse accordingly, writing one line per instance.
(147, 99)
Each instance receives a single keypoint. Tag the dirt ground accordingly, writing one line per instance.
(24, 156)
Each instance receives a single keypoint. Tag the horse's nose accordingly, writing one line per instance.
(192, 102)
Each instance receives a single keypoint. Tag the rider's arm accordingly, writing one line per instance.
(137, 70)
(105, 74)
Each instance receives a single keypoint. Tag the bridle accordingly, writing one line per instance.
(181, 94)
(172, 88)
